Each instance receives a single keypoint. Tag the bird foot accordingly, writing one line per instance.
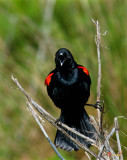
(97, 105)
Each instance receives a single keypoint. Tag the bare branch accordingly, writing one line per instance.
(117, 137)
(37, 117)
(77, 133)
(104, 144)
(88, 155)
(102, 147)
(121, 144)
(97, 40)
(110, 151)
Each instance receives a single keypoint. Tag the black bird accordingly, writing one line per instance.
(68, 85)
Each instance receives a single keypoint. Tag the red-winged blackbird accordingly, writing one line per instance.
(68, 86)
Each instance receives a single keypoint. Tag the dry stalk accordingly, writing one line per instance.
(104, 145)
(98, 40)
(39, 121)
(117, 137)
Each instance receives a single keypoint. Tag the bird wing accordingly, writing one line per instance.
(48, 79)
(85, 70)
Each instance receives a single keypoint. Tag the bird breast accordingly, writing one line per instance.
(68, 78)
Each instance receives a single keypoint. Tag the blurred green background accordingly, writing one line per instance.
(30, 34)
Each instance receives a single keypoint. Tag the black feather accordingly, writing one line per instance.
(68, 86)
(84, 127)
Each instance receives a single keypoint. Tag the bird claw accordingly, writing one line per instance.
(97, 105)
(100, 107)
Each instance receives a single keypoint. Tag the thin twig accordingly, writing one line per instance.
(117, 137)
(121, 144)
(110, 151)
(102, 147)
(107, 146)
(77, 133)
(122, 117)
(123, 133)
(88, 155)
(97, 40)
(104, 143)
(35, 115)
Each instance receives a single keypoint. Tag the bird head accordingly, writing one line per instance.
(64, 59)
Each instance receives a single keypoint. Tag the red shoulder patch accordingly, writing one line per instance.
(85, 70)
(48, 79)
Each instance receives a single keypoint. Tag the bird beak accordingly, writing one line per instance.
(61, 63)
(61, 59)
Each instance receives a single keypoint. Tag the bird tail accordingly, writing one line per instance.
(83, 126)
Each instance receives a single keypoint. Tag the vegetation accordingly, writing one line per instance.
(30, 34)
